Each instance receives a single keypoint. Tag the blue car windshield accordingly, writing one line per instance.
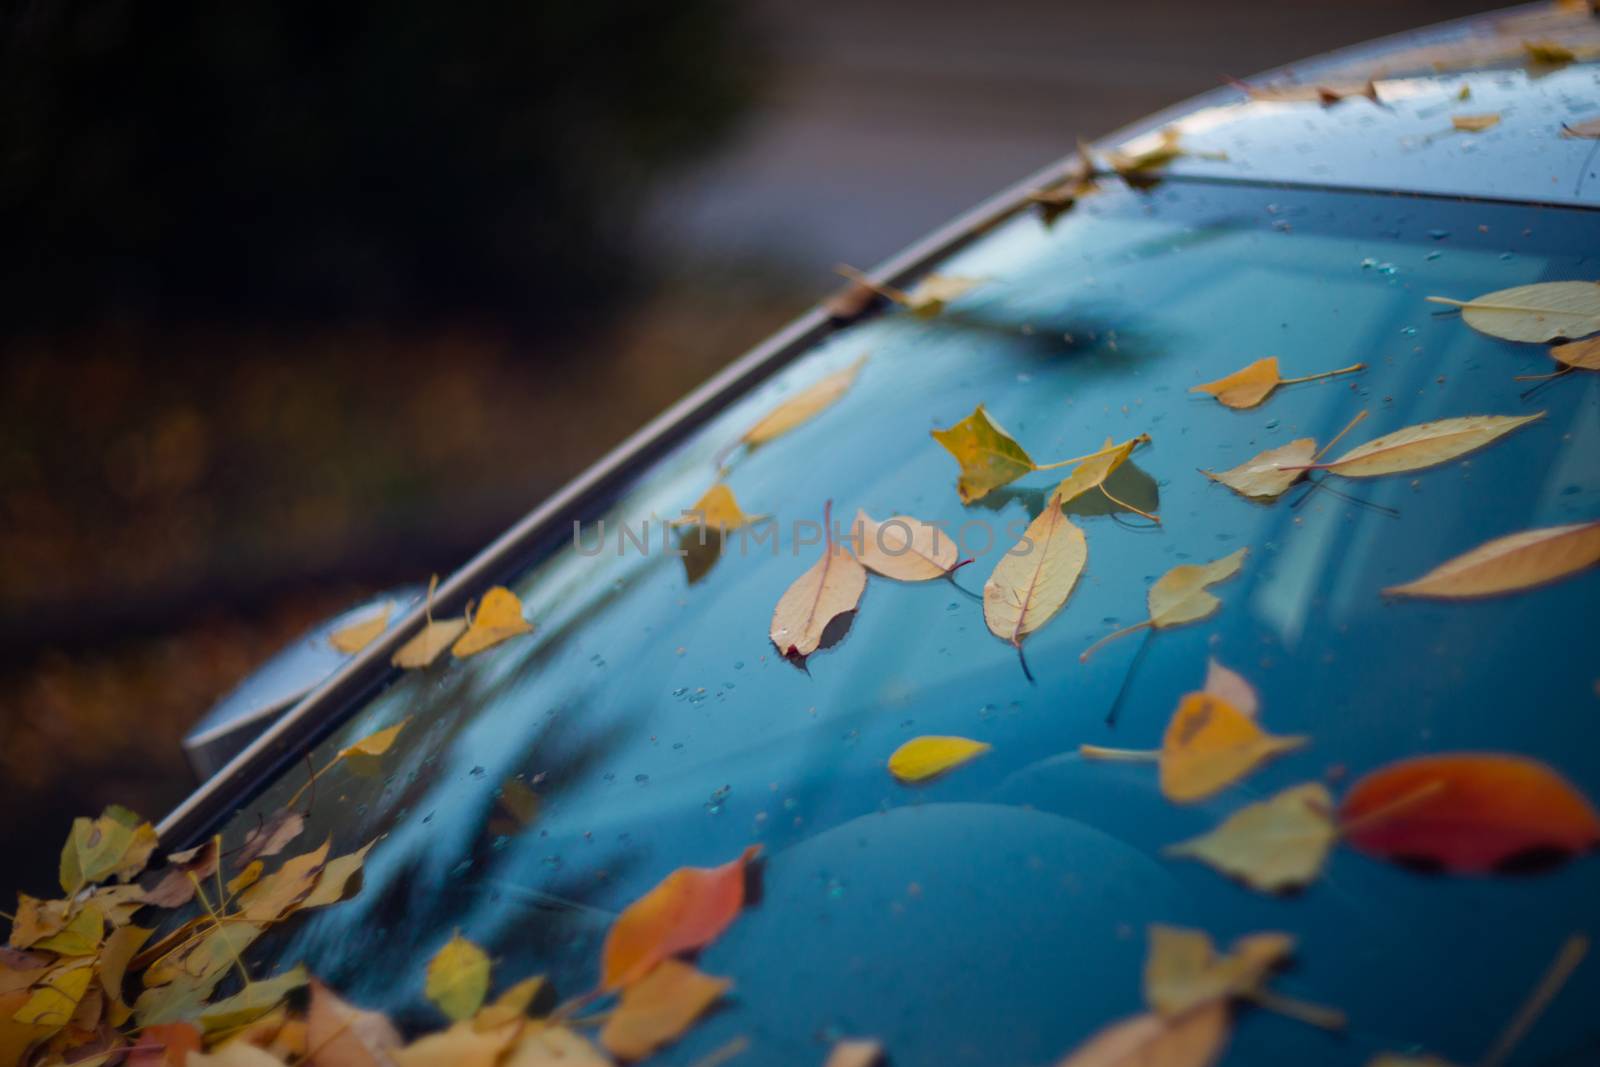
(998, 914)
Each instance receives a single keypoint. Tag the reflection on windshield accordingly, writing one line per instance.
(997, 914)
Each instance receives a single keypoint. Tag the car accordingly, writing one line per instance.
(994, 901)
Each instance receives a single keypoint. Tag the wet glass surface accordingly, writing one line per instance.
(997, 915)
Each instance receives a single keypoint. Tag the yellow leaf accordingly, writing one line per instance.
(1195, 1040)
(1535, 313)
(803, 406)
(277, 894)
(1034, 578)
(716, 510)
(1150, 152)
(1475, 123)
(123, 944)
(80, 937)
(246, 878)
(553, 1046)
(1250, 386)
(989, 456)
(509, 1006)
(831, 587)
(458, 978)
(1278, 844)
(1426, 444)
(458, 1046)
(117, 843)
(658, 1008)
(922, 758)
(252, 1002)
(930, 295)
(857, 1053)
(1093, 472)
(1510, 564)
(497, 619)
(428, 644)
(1263, 477)
(1181, 596)
(340, 879)
(1230, 686)
(1209, 745)
(1550, 53)
(1582, 354)
(1182, 970)
(904, 548)
(352, 638)
(374, 744)
(56, 996)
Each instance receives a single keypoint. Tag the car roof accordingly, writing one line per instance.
(1385, 122)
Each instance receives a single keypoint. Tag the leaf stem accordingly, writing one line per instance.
(1077, 459)
(1338, 436)
(1543, 377)
(1083, 657)
(1119, 755)
(1566, 961)
(1125, 506)
(1480, 306)
(1311, 1014)
(200, 895)
(1351, 369)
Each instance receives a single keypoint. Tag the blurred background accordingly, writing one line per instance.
(300, 301)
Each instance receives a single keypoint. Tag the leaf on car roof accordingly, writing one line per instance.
(1544, 311)
(1427, 444)
(1590, 129)
(1475, 123)
(1268, 475)
(656, 1009)
(829, 588)
(688, 910)
(458, 978)
(1510, 564)
(1250, 385)
(1183, 971)
(858, 1052)
(1325, 93)
(498, 618)
(989, 456)
(117, 844)
(355, 636)
(343, 1035)
(1181, 596)
(1278, 844)
(904, 548)
(926, 757)
(1092, 473)
(803, 406)
(1468, 812)
(717, 509)
(1194, 1040)
(1033, 580)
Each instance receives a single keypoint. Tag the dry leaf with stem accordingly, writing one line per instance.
(1278, 844)
(1093, 472)
(1251, 385)
(429, 643)
(1150, 152)
(375, 744)
(498, 618)
(1268, 475)
(552, 1045)
(117, 844)
(458, 978)
(830, 587)
(990, 457)
(688, 910)
(658, 1008)
(925, 757)
(353, 637)
(1427, 444)
(1468, 812)
(1077, 182)
(1589, 129)
(1510, 564)
(1180, 596)
(1574, 355)
(927, 299)
(1534, 313)
(1475, 123)
(1035, 577)
(1182, 970)
(802, 407)
(1193, 1040)
(904, 548)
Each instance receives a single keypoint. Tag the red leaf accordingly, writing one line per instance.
(1467, 812)
(688, 910)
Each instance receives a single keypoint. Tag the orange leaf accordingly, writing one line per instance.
(1194, 1040)
(1467, 812)
(658, 1008)
(1249, 386)
(688, 910)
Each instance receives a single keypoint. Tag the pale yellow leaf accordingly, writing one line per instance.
(233, 1054)
(339, 879)
(1262, 476)
(553, 1046)
(904, 548)
(511, 1005)
(1278, 844)
(1035, 577)
(930, 295)
(357, 635)
(459, 1046)
(1195, 1040)
(458, 978)
(1475, 123)
(1249, 386)
(855, 1053)
(1182, 970)
(252, 1002)
(803, 406)
(1426, 444)
(429, 643)
(716, 510)
(1512, 563)
(830, 587)
(374, 744)
(1535, 313)
(1181, 595)
(497, 619)
(989, 456)
(922, 758)
(1209, 744)
(1093, 472)
(1231, 686)
(658, 1008)
(339, 1034)
(1590, 129)
(1582, 354)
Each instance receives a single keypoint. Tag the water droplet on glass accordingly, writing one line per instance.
(641, 779)
(478, 772)
(714, 805)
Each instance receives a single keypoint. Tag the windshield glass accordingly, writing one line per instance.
(998, 914)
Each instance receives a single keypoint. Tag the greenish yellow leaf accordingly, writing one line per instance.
(1182, 970)
(252, 1002)
(922, 758)
(1278, 844)
(989, 457)
(458, 978)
